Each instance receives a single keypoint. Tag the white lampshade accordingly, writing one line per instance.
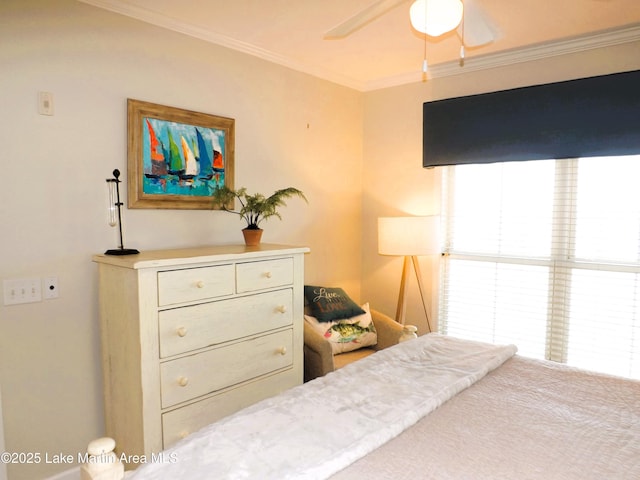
(409, 235)
(435, 17)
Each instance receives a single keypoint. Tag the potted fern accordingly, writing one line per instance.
(253, 208)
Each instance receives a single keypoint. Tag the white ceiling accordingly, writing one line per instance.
(387, 51)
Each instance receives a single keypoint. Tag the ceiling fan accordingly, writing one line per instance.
(475, 29)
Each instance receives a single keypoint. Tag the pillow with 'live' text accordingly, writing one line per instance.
(328, 304)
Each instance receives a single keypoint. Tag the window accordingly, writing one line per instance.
(546, 255)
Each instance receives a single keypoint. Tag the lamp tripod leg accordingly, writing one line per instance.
(402, 295)
(416, 267)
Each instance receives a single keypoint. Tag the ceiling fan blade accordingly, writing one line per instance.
(478, 28)
(361, 19)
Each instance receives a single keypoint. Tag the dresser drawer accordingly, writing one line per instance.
(188, 328)
(179, 423)
(190, 377)
(191, 284)
(252, 276)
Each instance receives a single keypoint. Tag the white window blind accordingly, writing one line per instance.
(546, 255)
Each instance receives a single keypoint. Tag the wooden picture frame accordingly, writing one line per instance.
(177, 158)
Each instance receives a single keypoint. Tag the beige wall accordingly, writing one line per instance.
(291, 130)
(394, 182)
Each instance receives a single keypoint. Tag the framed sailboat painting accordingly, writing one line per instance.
(177, 158)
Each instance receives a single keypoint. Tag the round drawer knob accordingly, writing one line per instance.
(267, 274)
(281, 308)
(100, 446)
(183, 381)
(182, 331)
(200, 284)
(282, 350)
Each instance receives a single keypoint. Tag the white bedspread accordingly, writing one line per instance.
(527, 420)
(315, 430)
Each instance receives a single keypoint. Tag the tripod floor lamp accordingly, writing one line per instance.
(409, 237)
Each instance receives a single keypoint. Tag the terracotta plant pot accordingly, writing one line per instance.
(252, 236)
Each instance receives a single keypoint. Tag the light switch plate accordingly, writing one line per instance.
(45, 103)
(22, 290)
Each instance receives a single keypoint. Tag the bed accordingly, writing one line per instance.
(431, 408)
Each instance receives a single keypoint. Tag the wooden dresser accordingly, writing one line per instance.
(192, 335)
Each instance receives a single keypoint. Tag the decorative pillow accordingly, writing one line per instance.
(329, 304)
(349, 333)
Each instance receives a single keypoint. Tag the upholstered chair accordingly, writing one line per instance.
(319, 358)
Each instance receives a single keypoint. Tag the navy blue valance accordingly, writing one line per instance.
(597, 116)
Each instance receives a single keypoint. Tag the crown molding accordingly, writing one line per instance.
(169, 23)
(627, 34)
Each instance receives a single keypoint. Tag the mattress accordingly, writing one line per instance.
(528, 419)
(432, 408)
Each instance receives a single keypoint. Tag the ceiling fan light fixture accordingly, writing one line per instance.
(435, 17)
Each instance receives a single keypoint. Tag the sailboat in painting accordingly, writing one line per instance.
(191, 165)
(206, 170)
(218, 159)
(176, 164)
(158, 163)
